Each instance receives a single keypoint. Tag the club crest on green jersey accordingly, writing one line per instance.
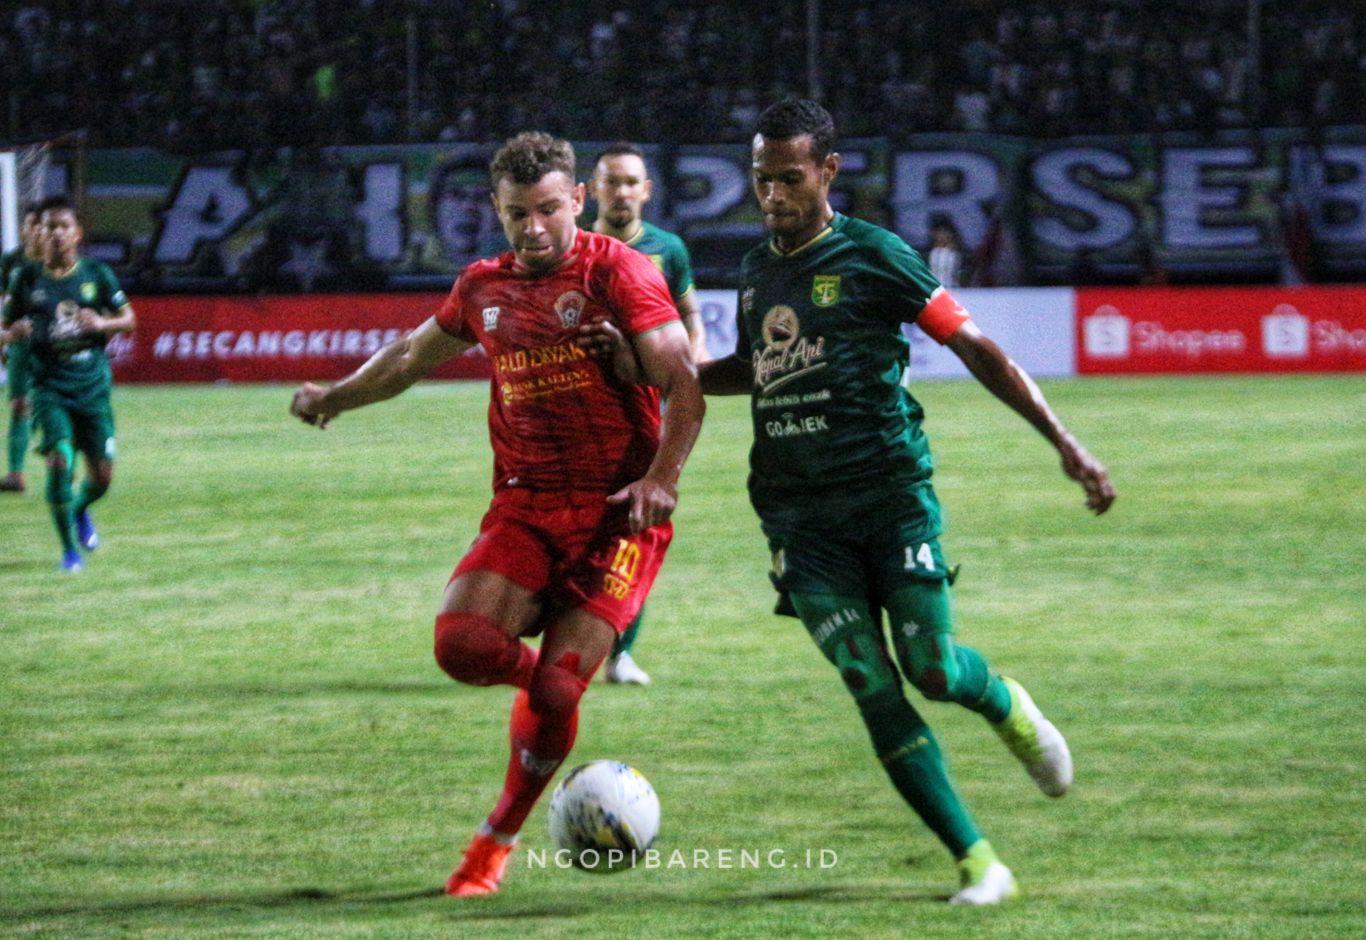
(825, 290)
(88, 291)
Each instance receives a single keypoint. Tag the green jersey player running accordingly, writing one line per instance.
(17, 379)
(621, 186)
(67, 308)
(840, 474)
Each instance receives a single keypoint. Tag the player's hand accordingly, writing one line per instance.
(602, 340)
(307, 406)
(1078, 464)
(651, 502)
(21, 329)
(89, 321)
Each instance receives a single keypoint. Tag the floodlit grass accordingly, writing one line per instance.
(231, 724)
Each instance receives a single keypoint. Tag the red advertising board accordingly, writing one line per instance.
(271, 339)
(1233, 329)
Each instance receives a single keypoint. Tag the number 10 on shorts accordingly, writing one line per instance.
(921, 556)
(622, 574)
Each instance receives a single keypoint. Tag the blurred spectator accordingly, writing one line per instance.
(946, 254)
(231, 73)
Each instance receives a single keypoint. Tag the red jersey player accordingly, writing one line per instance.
(585, 477)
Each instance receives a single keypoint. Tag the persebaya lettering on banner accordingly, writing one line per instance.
(361, 218)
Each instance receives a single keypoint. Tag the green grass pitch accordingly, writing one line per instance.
(231, 724)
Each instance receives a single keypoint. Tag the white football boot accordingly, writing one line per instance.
(1034, 740)
(622, 669)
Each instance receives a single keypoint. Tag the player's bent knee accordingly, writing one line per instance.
(864, 669)
(556, 688)
(473, 649)
(931, 667)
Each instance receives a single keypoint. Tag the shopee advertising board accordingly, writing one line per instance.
(1224, 329)
(271, 339)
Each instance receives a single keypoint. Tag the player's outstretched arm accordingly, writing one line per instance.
(1008, 382)
(667, 364)
(385, 374)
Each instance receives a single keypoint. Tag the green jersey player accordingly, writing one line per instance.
(621, 186)
(67, 308)
(840, 474)
(17, 378)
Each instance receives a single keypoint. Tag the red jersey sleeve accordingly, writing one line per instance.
(451, 316)
(636, 291)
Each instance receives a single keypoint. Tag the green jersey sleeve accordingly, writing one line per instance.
(900, 278)
(112, 298)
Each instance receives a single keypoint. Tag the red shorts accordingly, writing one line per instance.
(573, 549)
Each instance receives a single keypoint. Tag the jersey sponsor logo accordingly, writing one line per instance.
(791, 426)
(780, 327)
(788, 355)
(569, 306)
(64, 326)
(491, 317)
(522, 359)
(825, 290)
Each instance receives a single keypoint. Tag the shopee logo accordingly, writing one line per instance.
(1285, 333)
(1106, 333)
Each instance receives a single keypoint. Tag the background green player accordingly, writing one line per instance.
(621, 186)
(840, 474)
(17, 379)
(67, 308)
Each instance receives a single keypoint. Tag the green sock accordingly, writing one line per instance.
(18, 443)
(912, 759)
(91, 492)
(982, 692)
(628, 636)
(59, 497)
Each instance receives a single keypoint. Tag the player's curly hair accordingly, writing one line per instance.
(793, 117)
(529, 156)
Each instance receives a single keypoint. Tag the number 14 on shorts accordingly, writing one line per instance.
(921, 556)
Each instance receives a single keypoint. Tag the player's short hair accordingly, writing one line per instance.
(57, 203)
(793, 117)
(622, 148)
(529, 156)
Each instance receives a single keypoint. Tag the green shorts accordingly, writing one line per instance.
(18, 376)
(873, 551)
(89, 425)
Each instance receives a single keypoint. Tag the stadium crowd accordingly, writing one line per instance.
(197, 76)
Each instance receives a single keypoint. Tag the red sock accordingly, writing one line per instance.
(540, 741)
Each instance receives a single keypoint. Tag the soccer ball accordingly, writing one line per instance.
(604, 814)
